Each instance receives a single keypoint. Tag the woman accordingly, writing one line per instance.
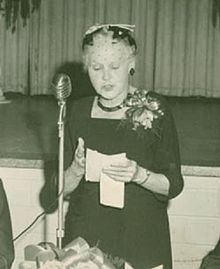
(138, 124)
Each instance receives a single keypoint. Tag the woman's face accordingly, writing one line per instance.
(108, 68)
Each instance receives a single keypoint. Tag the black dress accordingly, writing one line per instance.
(138, 233)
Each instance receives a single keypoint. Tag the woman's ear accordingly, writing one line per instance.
(132, 66)
(132, 71)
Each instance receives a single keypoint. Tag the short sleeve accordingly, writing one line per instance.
(166, 158)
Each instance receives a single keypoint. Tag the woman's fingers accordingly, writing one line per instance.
(121, 179)
(119, 173)
(122, 172)
(119, 170)
(79, 153)
(81, 142)
(129, 166)
(80, 148)
(81, 161)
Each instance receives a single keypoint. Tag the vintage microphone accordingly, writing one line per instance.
(61, 85)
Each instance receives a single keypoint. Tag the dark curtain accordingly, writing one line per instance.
(179, 52)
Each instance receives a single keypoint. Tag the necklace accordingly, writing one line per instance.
(110, 109)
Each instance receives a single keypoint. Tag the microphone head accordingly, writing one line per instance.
(62, 87)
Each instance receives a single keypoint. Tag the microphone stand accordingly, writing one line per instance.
(60, 228)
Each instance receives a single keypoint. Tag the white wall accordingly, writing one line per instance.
(23, 187)
(194, 215)
(195, 220)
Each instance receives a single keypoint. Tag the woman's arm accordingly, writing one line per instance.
(73, 176)
(166, 159)
(164, 176)
(130, 171)
(154, 182)
(74, 173)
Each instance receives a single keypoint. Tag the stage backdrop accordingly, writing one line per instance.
(179, 52)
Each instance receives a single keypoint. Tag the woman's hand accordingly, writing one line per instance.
(125, 172)
(79, 157)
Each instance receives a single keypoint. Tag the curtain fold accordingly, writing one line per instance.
(178, 47)
(186, 44)
(56, 34)
(14, 58)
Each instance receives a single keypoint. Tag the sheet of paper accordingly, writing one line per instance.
(93, 165)
(128, 266)
(111, 192)
(95, 161)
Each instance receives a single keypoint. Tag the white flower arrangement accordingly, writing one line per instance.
(79, 255)
(143, 110)
(53, 265)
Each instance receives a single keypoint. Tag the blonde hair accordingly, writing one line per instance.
(112, 35)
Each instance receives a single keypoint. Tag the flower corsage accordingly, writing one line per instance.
(144, 111)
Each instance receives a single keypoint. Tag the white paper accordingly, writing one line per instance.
(93, 165)
(95, 161)
(111, 192)
(128, 266)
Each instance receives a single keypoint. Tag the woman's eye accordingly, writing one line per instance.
(96, 67)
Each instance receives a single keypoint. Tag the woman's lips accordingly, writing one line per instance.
(107, 87)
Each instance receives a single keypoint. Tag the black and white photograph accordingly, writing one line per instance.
(109, 134)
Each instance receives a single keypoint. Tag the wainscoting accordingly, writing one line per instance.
(195, 220)
(194, 214)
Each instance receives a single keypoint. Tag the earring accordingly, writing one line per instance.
(132, 71)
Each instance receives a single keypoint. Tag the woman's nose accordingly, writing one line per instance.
(106, 74)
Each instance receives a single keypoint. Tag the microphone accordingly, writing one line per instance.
(61, 85)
